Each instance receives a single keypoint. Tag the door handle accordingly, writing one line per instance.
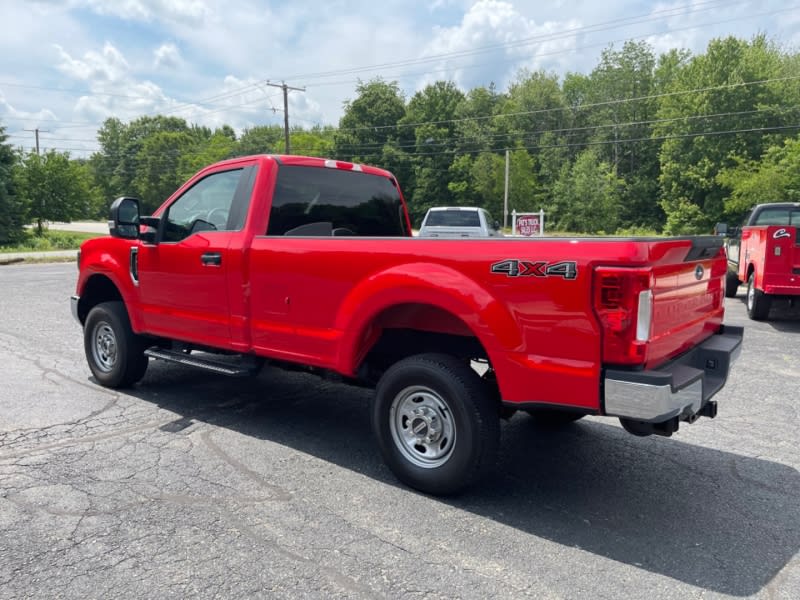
(211, 259)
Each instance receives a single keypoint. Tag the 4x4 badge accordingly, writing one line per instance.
(527, 268)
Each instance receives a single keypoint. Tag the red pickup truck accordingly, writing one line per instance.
(765, 253)
(310, 262)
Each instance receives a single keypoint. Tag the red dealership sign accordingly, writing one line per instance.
(528, 225)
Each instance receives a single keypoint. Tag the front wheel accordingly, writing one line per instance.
(436, 423)
(114, 352)
(758, 303)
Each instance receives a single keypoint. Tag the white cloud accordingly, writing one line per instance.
(511, 40)
(114, 89)
(202, 59)
(97, 67)
(168, 56)
(149, 10)
(33, 119)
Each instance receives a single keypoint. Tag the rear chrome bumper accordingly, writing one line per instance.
(679, 388)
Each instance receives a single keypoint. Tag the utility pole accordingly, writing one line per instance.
(505, 196)
(286, 89)
(36, 131)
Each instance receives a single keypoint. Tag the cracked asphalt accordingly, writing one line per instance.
(194, 485)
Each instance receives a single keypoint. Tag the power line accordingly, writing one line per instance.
(169, 159)
(638, 19)
(560, 52)
(519, 135)
(249, 87)
(577, 107)
(634, 20)
(571, 130)
(625, 141)
(189, 105)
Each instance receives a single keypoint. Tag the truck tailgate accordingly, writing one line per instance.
(688, 295)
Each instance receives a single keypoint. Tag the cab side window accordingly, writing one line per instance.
(206, 206)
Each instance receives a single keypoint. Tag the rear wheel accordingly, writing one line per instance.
(114, 352)
(436, 423)
(758, 303)
(731, 284)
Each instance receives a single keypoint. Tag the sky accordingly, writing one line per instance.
(67, 65)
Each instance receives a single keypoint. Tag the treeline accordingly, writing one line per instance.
(670, 143)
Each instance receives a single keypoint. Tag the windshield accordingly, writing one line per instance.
(453, 218)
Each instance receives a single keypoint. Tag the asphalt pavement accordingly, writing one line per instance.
(194, 485)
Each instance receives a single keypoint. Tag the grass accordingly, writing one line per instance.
(36, 260)
(49, 240)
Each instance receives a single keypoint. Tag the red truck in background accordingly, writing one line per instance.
(765, 253)
(310, 263)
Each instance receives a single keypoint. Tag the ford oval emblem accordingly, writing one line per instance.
(698, 272)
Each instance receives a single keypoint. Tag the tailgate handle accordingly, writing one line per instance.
(211, 259)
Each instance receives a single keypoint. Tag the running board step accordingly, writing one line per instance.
(215, 366)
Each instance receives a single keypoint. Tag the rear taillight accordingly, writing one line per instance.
(623, 302)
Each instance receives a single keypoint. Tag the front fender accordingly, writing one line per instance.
(429, 284)
(110, 258)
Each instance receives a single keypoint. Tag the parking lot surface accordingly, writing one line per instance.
(191, 484)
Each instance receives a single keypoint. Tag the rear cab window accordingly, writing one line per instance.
(318, 201)
(453, 218)
(778, 216)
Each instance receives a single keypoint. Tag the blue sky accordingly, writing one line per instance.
(66, 65)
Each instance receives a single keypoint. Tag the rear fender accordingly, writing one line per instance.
(427, 284)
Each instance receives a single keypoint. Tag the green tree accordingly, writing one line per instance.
(158, 167)
(368, 131)
(263, 139)
(317, 141)
(588, 196)
(480, 181)
(53, 187)
(475, 128)
(535, 115)
(721, 82)
(430, 116)
(203, 153)
(774, 178)
(104, 164)
(12, 208)
(119, 161)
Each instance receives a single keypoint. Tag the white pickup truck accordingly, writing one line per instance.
(459, 221)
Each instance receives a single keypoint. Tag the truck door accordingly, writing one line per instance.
(183, 286)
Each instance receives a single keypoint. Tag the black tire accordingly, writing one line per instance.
(115, 354)
(551, 418)
(441, 396)
(758, 303)
(731, 284)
